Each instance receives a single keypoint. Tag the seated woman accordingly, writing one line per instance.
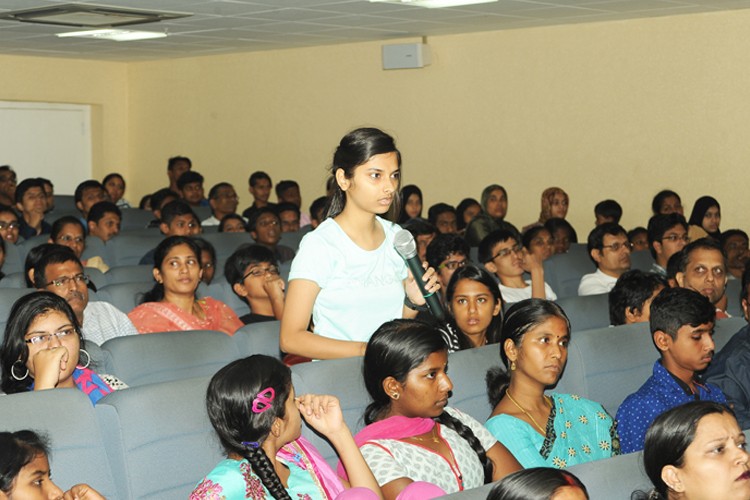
(171, 304)
(538, 241)
(705, 219)
(554, 205)
(475, 305)
(562, 233)
(208, 259)
(539, 483)
(43, 347)
(25, 471)
(254, 411)
(114, 184)
(465, 212)
(411, 203)
(558, 430)
(696, 451)
(232, 223)
(412, 435)
(69, 231)
(492, 218)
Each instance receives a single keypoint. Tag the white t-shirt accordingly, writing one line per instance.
(511, 295)
(596, 283)
(359, 289)
(103, 321)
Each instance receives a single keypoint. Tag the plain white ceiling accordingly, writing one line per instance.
(223, 26)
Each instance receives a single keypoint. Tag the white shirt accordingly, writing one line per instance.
(512, 295)
(596, 283)
(103, 321)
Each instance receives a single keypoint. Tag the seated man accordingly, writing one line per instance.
(607, 211)
(729, 368)
(190, 186)
(630, 299)
(443, 217)
(260, 188)
(423, 233)
(178, 219)
(104, 220)
(222, 198)
(609, 248)
(158, 200)
(68, 232)
(667, 235)
(702, 267)
(288, 192)
(49, 194)
(87, 194)
(8, 183)
(208, 260)
(503, 255)
(289, 215)
(9, 225)
(31, 203)
(445, 254)
(736, 247)
(60, 272)
(638, 237)
(318, 211)
(176, 166)
(253, 273)
(682, 328)
(264, 227)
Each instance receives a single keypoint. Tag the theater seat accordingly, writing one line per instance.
(129, 274)
(734, 288)
(467, 370)
(8, 297)
(586, 312)
(259, 338)
(219, 289)
(642, 260)
(128, 249)
(95, 247)
(135, 218)
(158, 438)
(14, 259)
(226, 243)
(162, 357)
(125, 296)
(67, 417)
(563, 272)
(13, 280)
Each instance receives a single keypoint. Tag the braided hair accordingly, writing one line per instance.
(241, 431)
(395, 349)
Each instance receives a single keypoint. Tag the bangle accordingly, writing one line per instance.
(414, 307)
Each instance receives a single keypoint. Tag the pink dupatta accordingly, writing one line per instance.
(329, 481)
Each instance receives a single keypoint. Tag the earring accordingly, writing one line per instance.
(512, 366)
(395, 395)
(13, 371)
(88, 358)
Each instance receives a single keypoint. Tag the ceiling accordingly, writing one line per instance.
(224, 26)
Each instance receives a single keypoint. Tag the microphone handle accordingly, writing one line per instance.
(432, 299)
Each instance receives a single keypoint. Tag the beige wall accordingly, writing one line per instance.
(618, 109)
(103, 85)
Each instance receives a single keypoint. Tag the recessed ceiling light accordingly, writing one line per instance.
(88, 16)
(435, 4)
(116, 35)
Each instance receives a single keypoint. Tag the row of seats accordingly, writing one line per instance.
(154, 441)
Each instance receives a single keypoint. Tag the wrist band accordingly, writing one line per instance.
(414, 307)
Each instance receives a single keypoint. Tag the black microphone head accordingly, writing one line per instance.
(404, 244)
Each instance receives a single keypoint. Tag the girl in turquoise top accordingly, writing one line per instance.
(556, 430)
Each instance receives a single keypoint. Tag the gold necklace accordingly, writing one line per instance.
(546, 400)
(433, 437)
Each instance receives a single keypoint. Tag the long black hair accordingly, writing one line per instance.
(519, 319)
(229, 401)
(156, 294)
(700, 208)
(480, 275)
(395, 349)
(356, 148)
(17, 450)
(406, 193)
(537, 483)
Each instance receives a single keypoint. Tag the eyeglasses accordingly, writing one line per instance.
(676, 237)
(266, 223)
(507, 251)
(43, 339)
(68, 239)
(616, 247)
(9, 225)
(261, 271)
(453, 264)
(66, 280)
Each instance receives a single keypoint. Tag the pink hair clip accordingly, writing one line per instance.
(263, 400)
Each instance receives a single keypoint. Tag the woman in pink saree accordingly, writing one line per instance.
(171, 304)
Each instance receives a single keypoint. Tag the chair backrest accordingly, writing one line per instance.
(587, 311)
(129, 274)
(135, 218)
(563, 271)
(467, 370)
(259, 338)
(163, 357)
(341, 378)
(13, 280)
(67, 417)
(226, 243)
(8, 297)
(96, 276)
(158, 438)
(14, 259)
(64, 202)
(125, 296)
(219, 289)
(95, 247)
(733, 290)
(293, 239)
(127, 249)
(642, 260)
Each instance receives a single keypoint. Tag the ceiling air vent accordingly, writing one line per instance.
(88, 16)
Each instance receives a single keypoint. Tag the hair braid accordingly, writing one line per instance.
(263, 468)
(466, 433)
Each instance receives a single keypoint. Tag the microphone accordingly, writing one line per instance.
(406, 247)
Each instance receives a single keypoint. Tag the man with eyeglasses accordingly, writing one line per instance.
(61, 273)
(736, 247)
(177, 219)
(264, 226)
(702, 267)
(7, 186)
(253, 273)
(223, 200)
(31, 201)
(667, 235)
(9, 225)
(609, 249)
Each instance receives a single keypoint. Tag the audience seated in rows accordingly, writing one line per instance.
(609, 249)
(264, 226)
(253, 273)
(492, 216)
(68, 231)
(259, 187)
(177, 219)
(172, 303)
(630, 299)
(190, 187)
(104, 220)
(223, 200)
(543, 430)
(31, 203)
(114, 185)
(682, 323)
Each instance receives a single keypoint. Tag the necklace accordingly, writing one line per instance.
(433, 436)
(546, 400)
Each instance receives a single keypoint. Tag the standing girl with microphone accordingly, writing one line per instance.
(347, 273)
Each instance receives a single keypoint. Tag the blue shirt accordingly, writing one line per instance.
(729, 371)
(660, 393)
